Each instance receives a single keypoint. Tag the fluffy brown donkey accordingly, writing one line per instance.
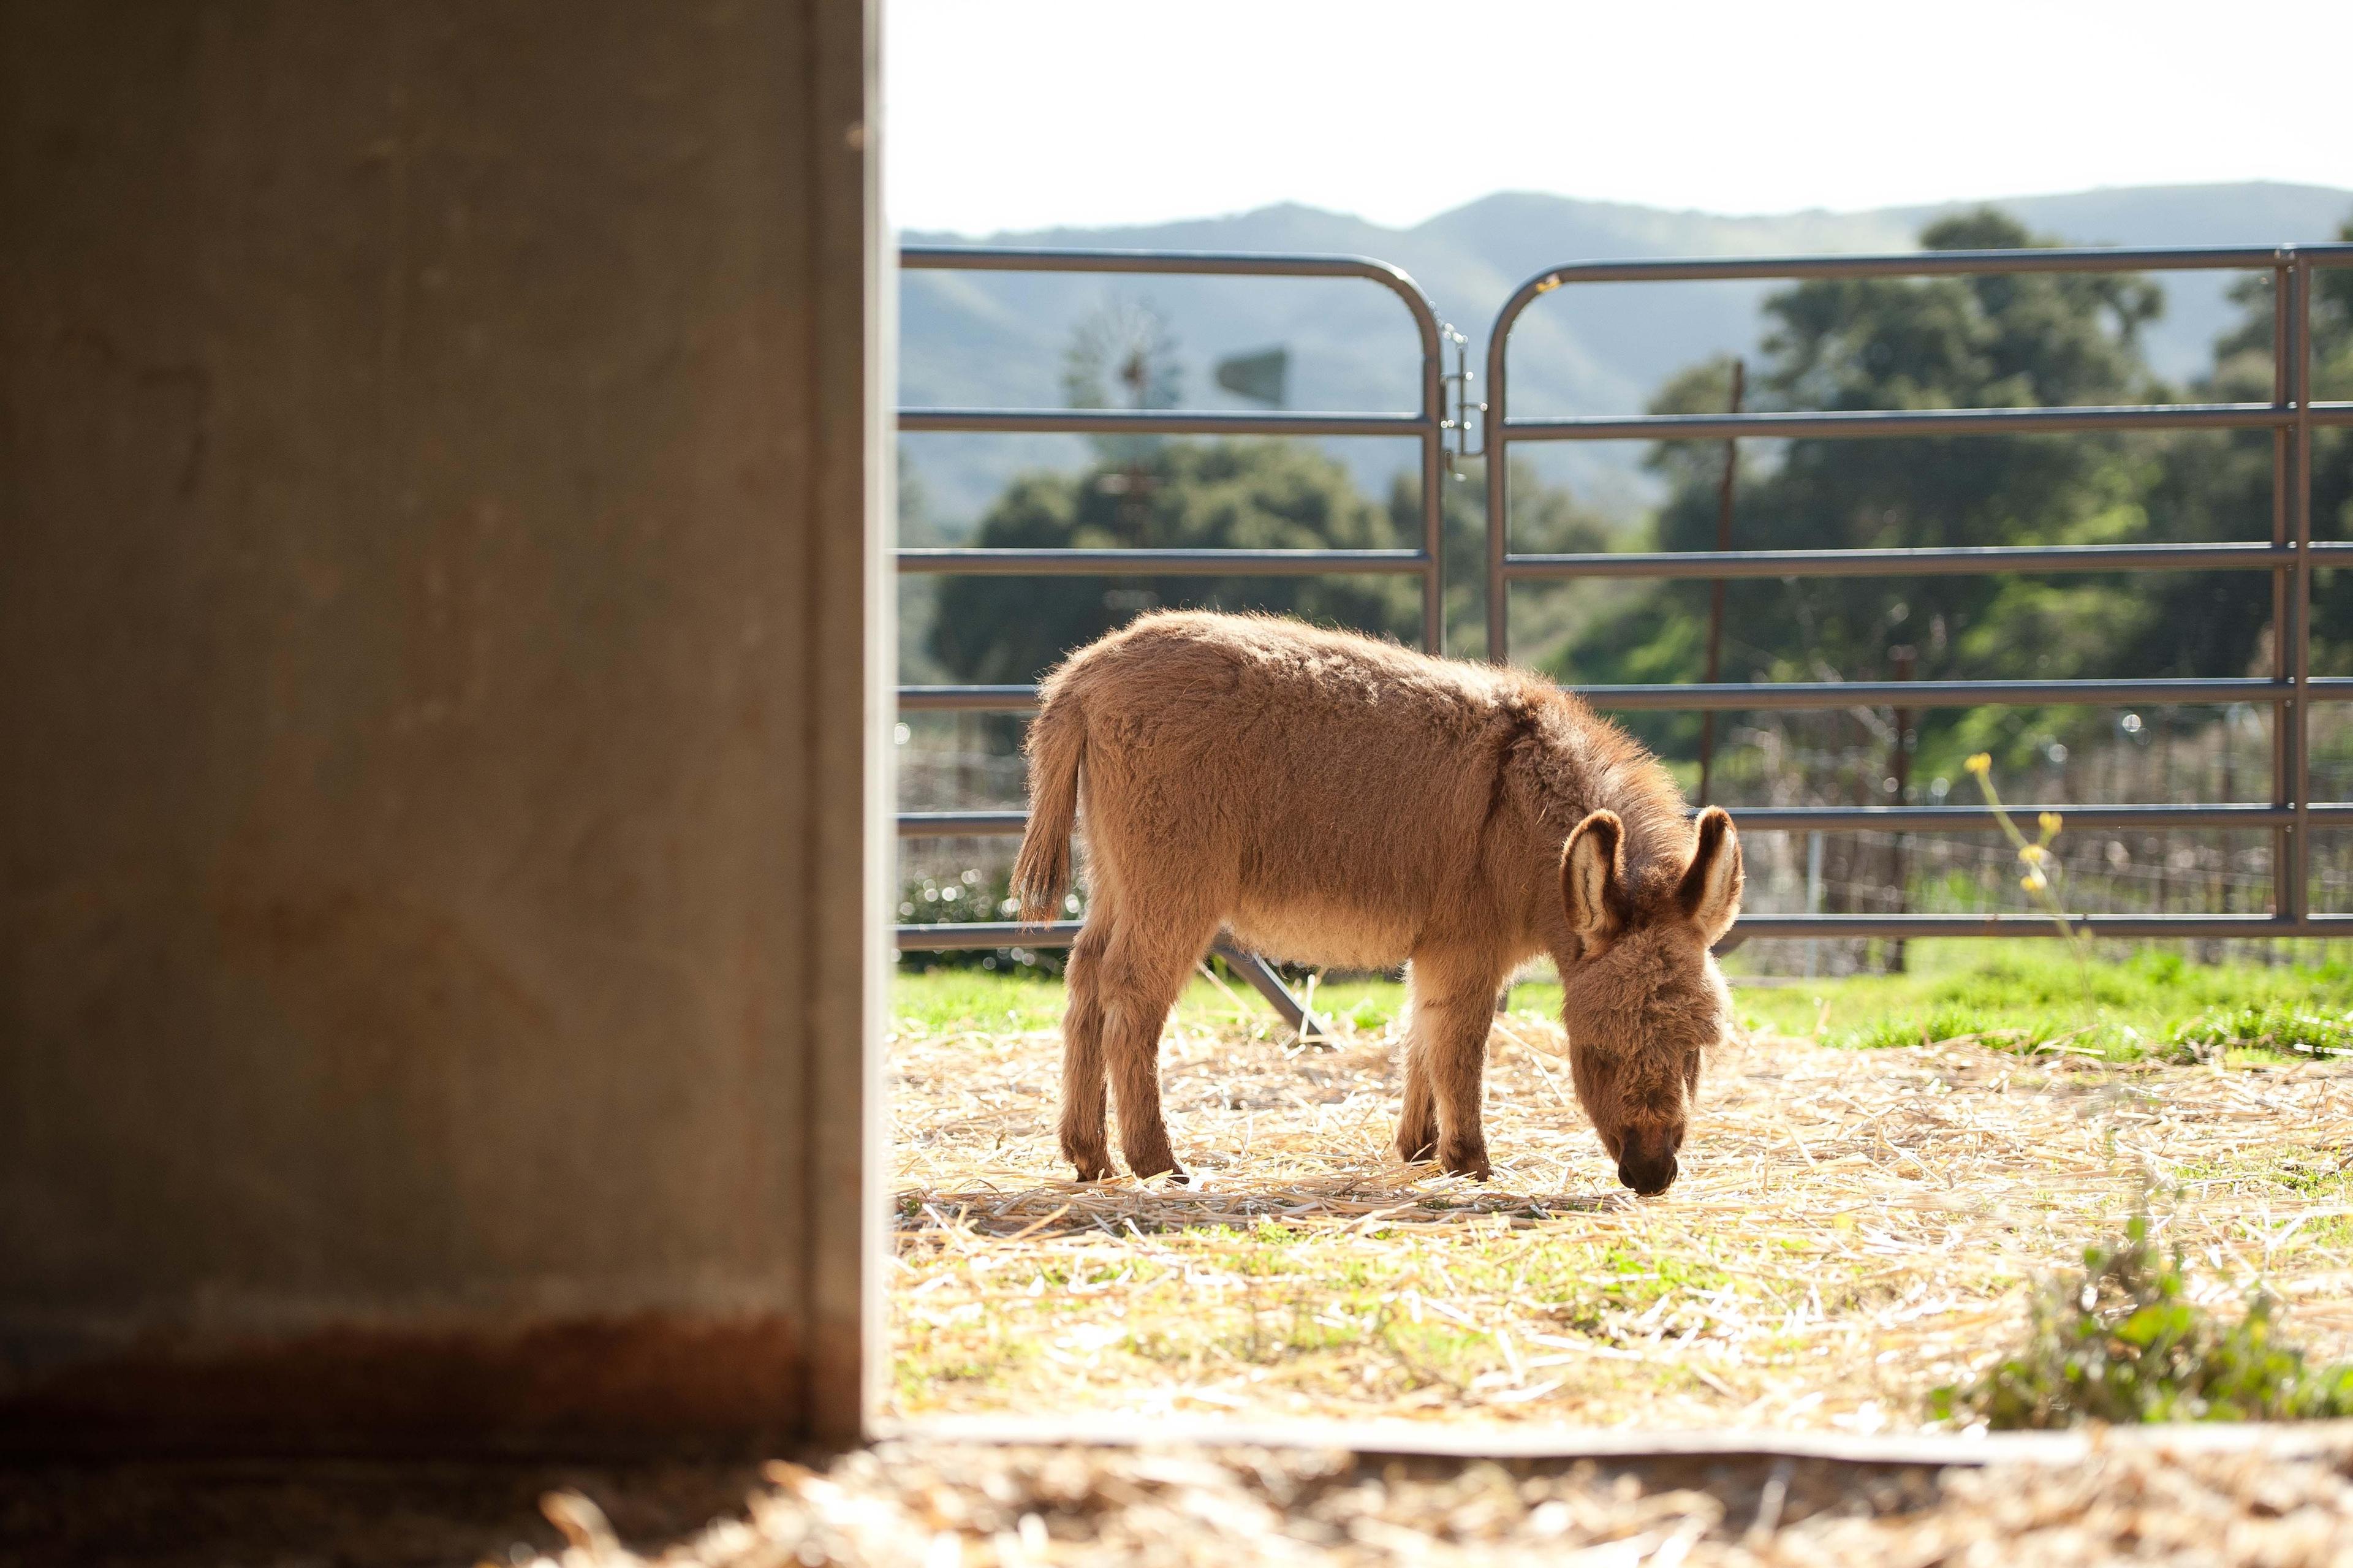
(1336, 800)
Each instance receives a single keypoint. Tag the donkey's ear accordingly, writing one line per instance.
(1593, 878)
(1710, 891)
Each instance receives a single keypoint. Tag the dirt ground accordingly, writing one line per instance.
(1853, 1229)
(936, 1505)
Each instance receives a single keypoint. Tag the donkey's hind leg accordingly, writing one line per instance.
(1144, 968)
(1084, 1142)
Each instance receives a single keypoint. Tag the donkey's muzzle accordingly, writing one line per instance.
(1646, 1163)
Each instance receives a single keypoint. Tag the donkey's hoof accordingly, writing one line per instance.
(1164, 1166)
(1091, 1167)
(1467, 1160)
(1417, 1151)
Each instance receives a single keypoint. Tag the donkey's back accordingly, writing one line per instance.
(1323, 794)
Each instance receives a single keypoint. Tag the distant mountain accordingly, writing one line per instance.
(998, 339)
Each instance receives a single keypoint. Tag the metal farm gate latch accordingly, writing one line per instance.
(1459, 405)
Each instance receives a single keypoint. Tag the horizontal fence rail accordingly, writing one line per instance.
(1152, 422)
(1785, 696)
(1968, 561)
(948, 938)
(927, 560)
(2241, 817)
(1913, 424)
(2234, 817)
(2290, 556)
(1017, 699)
(2141, 928)
(1764, 696)
(955, 936)
(1427, 426)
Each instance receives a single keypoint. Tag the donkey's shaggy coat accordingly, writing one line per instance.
(1332, 799)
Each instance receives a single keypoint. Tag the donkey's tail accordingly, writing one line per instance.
(1057, 740)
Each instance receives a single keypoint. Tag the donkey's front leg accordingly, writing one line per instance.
(1417, 1133)
(1454, 1006)
(1417, 1130)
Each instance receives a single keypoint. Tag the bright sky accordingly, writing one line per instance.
(1014, 114)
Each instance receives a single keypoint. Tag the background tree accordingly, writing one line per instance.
(2218, 485)
(1891, 343)
(1216, 495)
(1151, 492)
(1146, 492)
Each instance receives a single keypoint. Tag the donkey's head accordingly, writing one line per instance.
(1646, 999)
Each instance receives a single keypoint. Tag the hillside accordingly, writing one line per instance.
(998, 339)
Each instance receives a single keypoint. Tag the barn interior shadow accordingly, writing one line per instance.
(156, 1514)
(350, 1513)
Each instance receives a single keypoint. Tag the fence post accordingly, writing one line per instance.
(2283, 845)
(2300, 773)
(1716, 588)
(1906, 659)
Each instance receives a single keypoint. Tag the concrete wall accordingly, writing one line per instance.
(442, 682)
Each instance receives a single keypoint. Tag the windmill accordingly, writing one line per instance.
(1121, 355)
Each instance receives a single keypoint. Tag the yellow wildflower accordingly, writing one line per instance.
(1980, 764)
(2035, 881)
(2032, 854)
(2051, 822)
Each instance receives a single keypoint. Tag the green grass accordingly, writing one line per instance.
(2022, 995)
(1319, 1297)
(941, 1001)
(2122, 1341)
(1014, 1001)
(2033, 996)
(2291, 1170)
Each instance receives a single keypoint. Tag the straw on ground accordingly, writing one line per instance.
(1853, 1229)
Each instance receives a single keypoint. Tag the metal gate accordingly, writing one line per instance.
(1429, 427)
(2291, 556)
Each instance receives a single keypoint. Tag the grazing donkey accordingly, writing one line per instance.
(1332, 799)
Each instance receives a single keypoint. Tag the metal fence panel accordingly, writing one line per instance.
(1429, 427)
(2291, 557)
